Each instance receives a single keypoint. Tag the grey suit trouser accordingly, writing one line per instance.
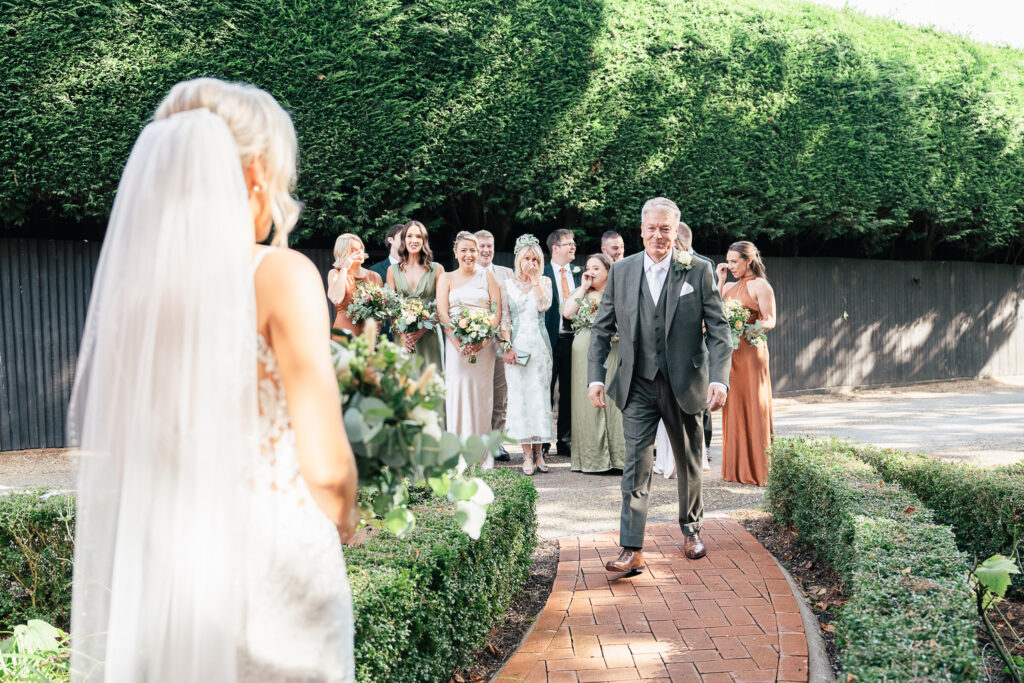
(648, 403)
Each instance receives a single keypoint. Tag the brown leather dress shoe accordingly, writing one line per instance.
(693, 548)
(629, 562)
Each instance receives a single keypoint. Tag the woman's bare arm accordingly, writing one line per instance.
(288, 298)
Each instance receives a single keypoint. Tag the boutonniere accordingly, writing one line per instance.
(682, 260)
(575, 270)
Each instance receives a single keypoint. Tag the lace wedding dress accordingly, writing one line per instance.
(298, 619)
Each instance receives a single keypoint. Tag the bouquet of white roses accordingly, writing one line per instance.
(473, 326)
(414, 315)
(390, 403)
(373, 301)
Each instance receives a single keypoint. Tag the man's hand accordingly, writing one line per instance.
(597, 396)
(716, 397)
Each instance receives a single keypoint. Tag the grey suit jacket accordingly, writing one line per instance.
(692, 363)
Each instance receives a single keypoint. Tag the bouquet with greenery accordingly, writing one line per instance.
(414, 315)
(373, 301)
(390, 403)
(738, 315)
(473, 326)
(584, 318)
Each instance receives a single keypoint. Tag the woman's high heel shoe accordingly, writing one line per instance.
(528, 466)
(542, 466)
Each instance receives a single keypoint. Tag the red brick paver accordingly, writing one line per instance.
(729, 617)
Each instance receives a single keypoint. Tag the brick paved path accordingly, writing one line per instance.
(729, 616)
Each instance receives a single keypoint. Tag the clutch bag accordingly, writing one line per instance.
(522, 358)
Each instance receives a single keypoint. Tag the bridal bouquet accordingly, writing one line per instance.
(390, 403)
(373, 301)
(737, 315)
(584, 318)
(473, 326)
(414, 315)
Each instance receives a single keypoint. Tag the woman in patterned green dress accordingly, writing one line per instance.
(416, 276)
(598, 444)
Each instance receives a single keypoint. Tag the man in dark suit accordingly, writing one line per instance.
(660, 302)
(685, 242)
(562, 245)
(391, 240)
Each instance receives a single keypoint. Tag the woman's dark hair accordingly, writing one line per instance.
(751, 255)
(427, 258)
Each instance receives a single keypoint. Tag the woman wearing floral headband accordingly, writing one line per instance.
(598, 444)
(527, 353)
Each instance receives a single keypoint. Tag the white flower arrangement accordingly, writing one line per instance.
(682, 260)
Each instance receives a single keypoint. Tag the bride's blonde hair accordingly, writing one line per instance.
(259, 126)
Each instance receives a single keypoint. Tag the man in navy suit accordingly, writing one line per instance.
(562, 245)
(391, 240)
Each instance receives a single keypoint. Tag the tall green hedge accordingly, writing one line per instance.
(784, 122)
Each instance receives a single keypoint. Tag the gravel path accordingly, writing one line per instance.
(976, 421)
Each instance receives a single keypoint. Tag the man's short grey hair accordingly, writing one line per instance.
(685, 235)
(661, 204)
(610, 235)
(484, 235)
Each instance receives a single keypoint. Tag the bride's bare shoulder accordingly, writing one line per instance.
(286, 278)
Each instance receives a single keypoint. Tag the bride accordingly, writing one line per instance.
(216, 483)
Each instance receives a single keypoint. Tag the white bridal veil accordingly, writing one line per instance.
(164, 412)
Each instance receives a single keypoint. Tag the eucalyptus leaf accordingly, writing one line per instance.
(994, 574)
(463, 489)
(400, 521)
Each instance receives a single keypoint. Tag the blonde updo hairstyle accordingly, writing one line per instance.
(260, 127)
(749, 253)
(343, 247)
(466, 235)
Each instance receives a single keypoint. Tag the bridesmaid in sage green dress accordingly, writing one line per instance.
(416, 276)
(598, 444)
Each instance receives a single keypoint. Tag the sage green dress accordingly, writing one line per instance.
(429, 346)
(598, 444)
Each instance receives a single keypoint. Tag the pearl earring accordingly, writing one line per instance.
(257, 188)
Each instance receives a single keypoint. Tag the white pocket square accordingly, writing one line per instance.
(687, 289)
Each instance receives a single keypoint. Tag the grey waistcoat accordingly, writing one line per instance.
(650, 352)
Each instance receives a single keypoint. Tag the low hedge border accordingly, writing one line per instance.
(984, 506)
(910, 616)
(422, 603)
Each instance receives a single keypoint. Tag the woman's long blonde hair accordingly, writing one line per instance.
(260, 127)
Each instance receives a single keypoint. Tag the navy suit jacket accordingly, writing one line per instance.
(554, 313)
(381, 268)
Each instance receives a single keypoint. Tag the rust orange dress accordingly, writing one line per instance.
(341, 319)
(747, 416)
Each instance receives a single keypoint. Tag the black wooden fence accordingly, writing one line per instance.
(842, 322)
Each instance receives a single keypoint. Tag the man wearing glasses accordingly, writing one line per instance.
(562, 245)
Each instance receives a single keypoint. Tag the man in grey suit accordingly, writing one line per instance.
(685, 242)
(659, 302)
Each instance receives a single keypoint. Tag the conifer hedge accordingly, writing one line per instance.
(783, 122)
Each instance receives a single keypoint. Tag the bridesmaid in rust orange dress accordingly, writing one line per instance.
(747, 416)
(344, 277)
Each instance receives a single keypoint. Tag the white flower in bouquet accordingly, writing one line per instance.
(428, 419)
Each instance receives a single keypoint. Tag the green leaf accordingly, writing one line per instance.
(994, 574)
(374, 408)
(400, 521)
(463, 489)
(440, 485)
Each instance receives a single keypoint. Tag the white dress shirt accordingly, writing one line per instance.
(656, 274)
(557, 270)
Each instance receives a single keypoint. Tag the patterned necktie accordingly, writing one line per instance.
(565, 284)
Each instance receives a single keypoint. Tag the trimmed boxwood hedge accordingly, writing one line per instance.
(422, 603)
(984, 506)
(910, 615)
(787, 123)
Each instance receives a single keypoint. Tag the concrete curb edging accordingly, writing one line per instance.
(819, 669)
